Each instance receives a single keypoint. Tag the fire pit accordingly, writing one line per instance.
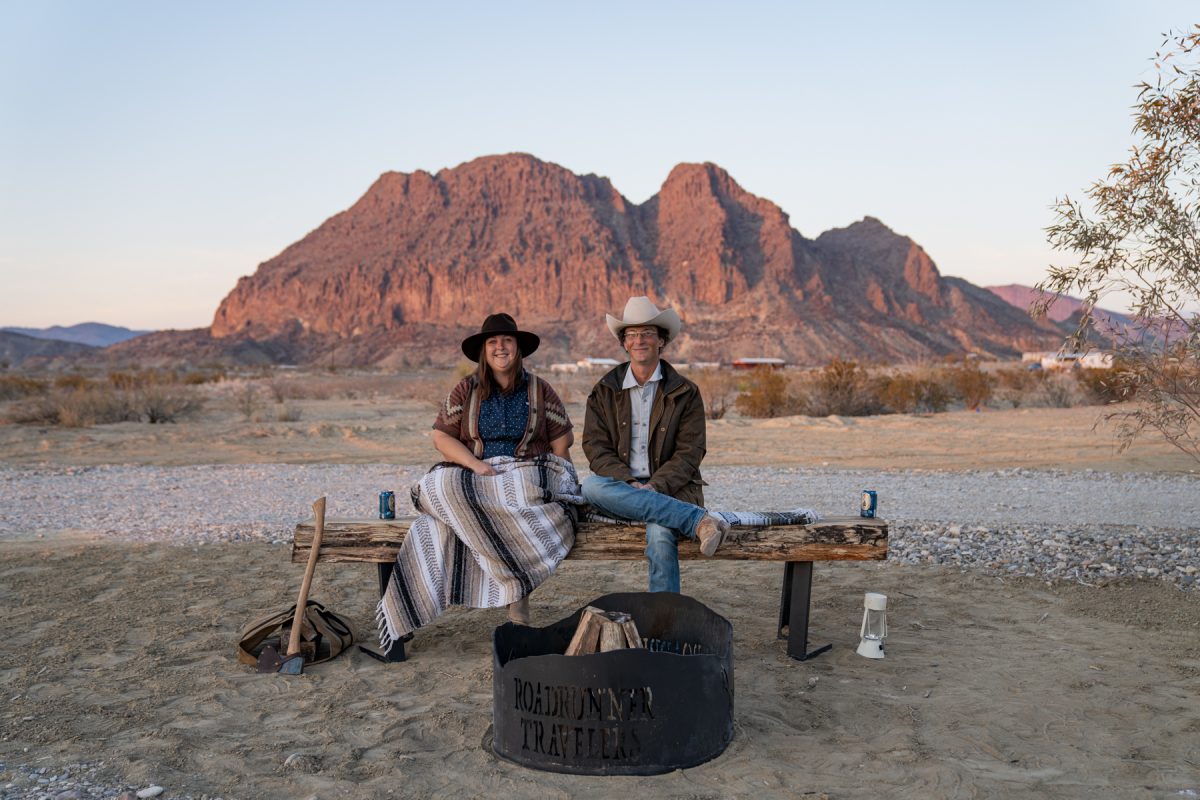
(637, 711)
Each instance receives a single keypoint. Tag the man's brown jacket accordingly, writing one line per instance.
(676, 433)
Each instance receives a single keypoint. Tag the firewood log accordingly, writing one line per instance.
(602, 631)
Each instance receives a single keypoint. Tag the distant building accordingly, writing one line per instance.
(1092, 360)
(570, 368)
(753, 363)
(705, 365)
(596, 363)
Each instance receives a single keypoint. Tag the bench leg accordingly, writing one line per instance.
(396, 651)
(793, 610)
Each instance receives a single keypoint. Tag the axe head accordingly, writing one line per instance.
(269, 660)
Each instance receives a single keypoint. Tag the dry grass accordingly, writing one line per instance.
(75, 401)
(17, 387)
(842, 388)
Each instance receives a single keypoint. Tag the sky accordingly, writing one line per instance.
(152, 153)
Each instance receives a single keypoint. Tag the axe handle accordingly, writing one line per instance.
(302, 601)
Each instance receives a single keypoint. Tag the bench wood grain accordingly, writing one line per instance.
(831, 539)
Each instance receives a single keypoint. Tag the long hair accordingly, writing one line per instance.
(483, 375)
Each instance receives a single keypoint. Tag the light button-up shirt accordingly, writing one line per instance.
(641, 401)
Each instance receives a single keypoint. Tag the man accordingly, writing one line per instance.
(643, 435)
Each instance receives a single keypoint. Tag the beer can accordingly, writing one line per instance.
(870, 503)
(387, 505)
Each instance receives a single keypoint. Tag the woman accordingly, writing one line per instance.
(488, 413)
(497, 516)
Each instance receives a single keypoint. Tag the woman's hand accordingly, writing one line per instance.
(483, 469)
(454, 450)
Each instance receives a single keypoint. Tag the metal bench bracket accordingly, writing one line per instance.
(793, 610)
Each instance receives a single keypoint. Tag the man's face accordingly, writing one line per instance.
(642, 343)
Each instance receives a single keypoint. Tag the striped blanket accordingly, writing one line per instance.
(480, 541)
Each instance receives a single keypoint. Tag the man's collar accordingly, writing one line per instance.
(631, 381)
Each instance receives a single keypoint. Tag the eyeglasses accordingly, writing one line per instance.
(641, 334)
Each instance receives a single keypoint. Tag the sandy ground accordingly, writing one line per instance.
(991, 688)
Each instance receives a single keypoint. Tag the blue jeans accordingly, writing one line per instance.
(666, 519)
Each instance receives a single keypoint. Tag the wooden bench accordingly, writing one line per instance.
(376, 541)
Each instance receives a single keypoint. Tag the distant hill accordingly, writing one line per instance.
(19, 350)
(93, 334)
(1107, 328)
(1064, 308)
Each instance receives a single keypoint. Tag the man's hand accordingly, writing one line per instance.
(637, 485)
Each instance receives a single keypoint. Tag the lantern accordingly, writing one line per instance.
(874, 625)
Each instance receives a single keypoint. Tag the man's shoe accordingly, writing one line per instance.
(518, 612)
(711, 531)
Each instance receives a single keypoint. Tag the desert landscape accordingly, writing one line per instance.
(248, 250)
(1044, 612)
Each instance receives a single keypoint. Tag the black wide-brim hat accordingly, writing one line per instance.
(499, 325)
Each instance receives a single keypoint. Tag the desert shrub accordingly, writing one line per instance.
(974, 386)
(94, 404)
(102, 404)
(1106, 385)
(287, 412)
(132, 380)
(1014, 384)
(125, 381)
(934, 395)
(247, 400)
(39, 410)
(899, 392)
(907, 392)
(16, 387)
(765, 394)
(71, 382)
(279, 389)
(157, 403)
(841, 387)
(718, 389)
(1058, 389)
(202, 376)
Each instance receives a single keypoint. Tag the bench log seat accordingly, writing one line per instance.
(376, 541)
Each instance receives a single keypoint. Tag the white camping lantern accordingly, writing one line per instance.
(874, 625)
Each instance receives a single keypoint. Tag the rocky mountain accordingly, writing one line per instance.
(420, 259)
(93, 334)
(19, 350)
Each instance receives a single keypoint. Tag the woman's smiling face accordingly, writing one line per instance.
(500, 352)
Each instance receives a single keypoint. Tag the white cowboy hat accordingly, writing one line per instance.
(640, 311)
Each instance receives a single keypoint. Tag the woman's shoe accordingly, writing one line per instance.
(518, 612)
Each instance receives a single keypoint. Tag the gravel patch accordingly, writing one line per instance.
(1080, 526)
(83, 781)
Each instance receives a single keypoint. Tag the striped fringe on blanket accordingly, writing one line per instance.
(480, 541)
(738, 519)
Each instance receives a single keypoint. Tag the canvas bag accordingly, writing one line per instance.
(323, 634)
